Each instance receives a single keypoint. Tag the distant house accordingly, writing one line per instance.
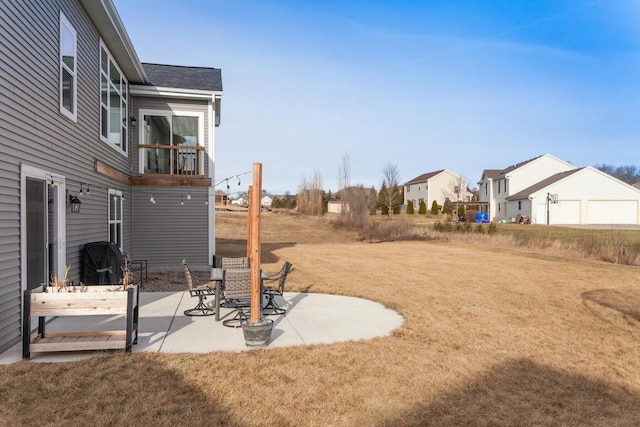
(83, 120)
(266, 201)
(550, 191)
(439, 186)
(496, 185)
(337, 206)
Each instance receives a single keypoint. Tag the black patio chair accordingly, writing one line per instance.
(237, 294)
(201, 291)
(271, 292)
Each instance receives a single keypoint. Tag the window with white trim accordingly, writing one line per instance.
(113, 102)
(68, 69)
(115, 217)
(172, 143)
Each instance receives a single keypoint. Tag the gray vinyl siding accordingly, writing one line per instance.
(166, 232)
(34, 132)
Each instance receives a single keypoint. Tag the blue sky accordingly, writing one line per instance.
(422, 85)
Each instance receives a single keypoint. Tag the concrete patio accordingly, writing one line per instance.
(310, 319)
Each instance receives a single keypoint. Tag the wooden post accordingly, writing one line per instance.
(249, 220)
(254, 226)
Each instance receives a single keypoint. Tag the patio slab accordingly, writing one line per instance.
(163, 327)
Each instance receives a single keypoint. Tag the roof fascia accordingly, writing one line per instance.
(170, 92)
(105, 17)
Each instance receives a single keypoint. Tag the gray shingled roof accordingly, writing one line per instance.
(177, 76)
(542, 184)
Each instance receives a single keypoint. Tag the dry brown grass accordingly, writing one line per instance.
(492, 336)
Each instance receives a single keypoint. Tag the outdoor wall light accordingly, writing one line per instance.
(152, 200)
(133, 121)
(74, 204)
(88, 192)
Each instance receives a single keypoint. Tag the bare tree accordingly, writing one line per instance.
(344, 173)
(310, 196)
(390, 198)
(355, 199)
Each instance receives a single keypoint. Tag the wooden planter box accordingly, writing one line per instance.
(97, 300)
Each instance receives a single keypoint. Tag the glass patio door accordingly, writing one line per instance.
(43, 242)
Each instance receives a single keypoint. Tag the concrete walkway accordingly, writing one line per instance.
(310, 319)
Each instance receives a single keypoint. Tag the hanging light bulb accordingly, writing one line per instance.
(80, 194)
(189, 196)
(88, 189)
(152, 199)
(181, 201)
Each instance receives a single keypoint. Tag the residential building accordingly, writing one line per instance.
(82, 119)
(547, 190)
(496, 185)
(438, 185)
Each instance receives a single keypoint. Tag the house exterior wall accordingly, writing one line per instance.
(442, 186)
(486, 194)
(439, 187)
(33, 133)
(165, 232)
(416, 192)
(516, 181)
(588, 197)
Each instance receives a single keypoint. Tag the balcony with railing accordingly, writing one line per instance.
(173, 160)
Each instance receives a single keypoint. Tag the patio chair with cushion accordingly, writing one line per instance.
(198, 290)
(271, 292)
(237, 294)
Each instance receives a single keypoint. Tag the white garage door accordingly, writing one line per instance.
(565, 212)
(612, 212)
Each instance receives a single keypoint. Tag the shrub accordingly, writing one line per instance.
(410, 208)
(435, 208)
(492, 229)
(422, 209)
(387, 231)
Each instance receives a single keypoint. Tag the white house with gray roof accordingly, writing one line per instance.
(82, 119)
(550, 191)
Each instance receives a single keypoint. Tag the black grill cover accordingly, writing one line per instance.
(102, 264)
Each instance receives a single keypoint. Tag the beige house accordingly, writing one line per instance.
(439, 186)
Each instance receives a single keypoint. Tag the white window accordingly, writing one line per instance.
(115, 217)
(172, 143)
(68, 69)
(113, 102)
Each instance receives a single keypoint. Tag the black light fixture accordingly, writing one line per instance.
(74, 204)
(133, 121)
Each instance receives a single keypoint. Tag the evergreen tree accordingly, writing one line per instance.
(434, 208)
(410, 208)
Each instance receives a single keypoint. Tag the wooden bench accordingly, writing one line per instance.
(92, 301)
